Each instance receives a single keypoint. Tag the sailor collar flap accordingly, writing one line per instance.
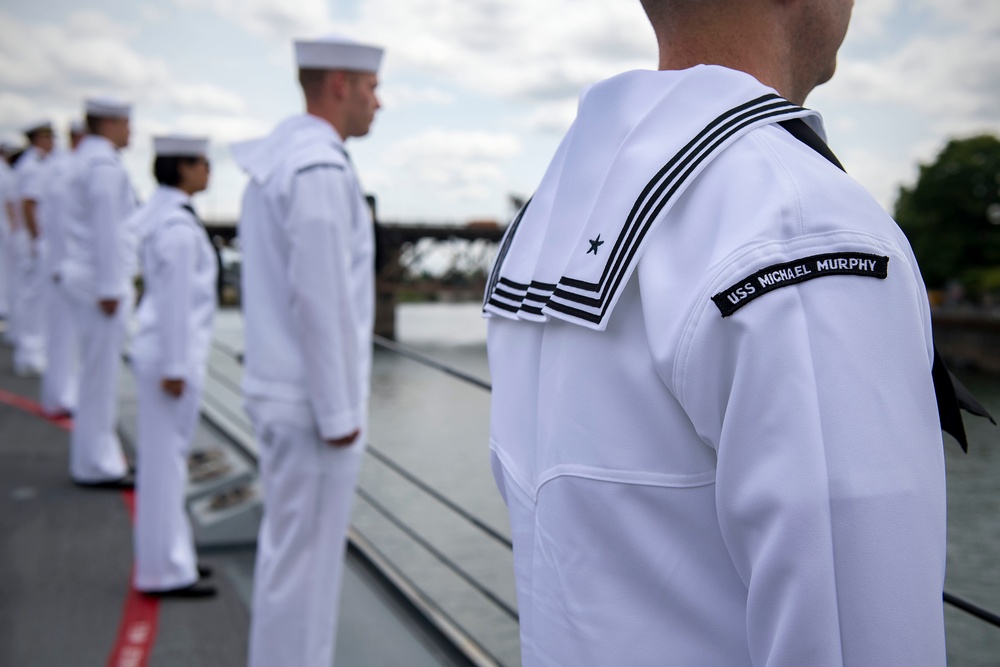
(167, 207)
(301, 136)
(629, 156)
(97, 150)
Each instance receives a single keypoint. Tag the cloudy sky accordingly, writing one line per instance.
(476, 93)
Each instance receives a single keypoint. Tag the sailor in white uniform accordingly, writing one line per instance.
(59, 381)
(713, 418)
(14, 244)
(6, 223)
(97, 272)
(308, 302)
(169, 353)
(29, 345)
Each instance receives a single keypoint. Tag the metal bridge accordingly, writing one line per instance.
(419, 262)
(430, 263)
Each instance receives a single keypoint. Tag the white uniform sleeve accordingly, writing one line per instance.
(830, 482)
(105, 212)
(177, 252)
(32, 182)
(319, 231)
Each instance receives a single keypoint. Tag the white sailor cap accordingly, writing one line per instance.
(37, 126)
(9, 146)
(107, 107)
(177, 145)
(77, 127)
(337, 52)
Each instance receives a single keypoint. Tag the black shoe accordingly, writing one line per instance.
(204, 571)
(195, 590)
(122, 483)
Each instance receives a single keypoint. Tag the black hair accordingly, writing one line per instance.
(167, 170)
(311, 80)
(93, 124)
(37, 131)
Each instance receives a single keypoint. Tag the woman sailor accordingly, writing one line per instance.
(169, 352)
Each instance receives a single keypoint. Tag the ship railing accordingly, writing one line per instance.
(403, 350)
(443, 617)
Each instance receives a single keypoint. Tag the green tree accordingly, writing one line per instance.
(952, 215)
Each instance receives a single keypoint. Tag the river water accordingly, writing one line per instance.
(436, 427)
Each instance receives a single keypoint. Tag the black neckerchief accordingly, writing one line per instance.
(219, 279)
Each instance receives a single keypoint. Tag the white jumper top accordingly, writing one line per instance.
(100, 259)
(28, 179)
(179, 269)
(308, 278)
(713, 420)
(54, 207)
(30, 174)
(8, 189)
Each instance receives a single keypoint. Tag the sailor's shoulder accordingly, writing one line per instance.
(823, 195)
(181, 219)
(317, 158)
(177, 229)
(94, 163)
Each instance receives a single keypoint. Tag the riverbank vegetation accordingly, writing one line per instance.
(952, 217)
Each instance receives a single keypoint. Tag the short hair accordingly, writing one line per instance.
(36, 132)
(167, 170)
(312, 80)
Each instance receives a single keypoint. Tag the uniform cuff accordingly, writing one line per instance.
(340, 425)
(108, 293)
(174, 371)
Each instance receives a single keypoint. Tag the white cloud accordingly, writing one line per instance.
(56, 65)
(550, 117)
(153, 14)
(455, 170)
(400, 95)
(880, 174)
(506, 71)
(512, 48)
(222, 129)
(872, 18)
(279, 19)
(947, 71)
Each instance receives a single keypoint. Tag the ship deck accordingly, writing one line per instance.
(66, 558)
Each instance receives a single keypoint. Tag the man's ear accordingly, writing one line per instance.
(336, 84)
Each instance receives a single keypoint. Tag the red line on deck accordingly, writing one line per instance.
(29, 406)
(137, 629)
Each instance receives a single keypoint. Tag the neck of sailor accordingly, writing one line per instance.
(789, 45)
(327, 102)
(331, 118)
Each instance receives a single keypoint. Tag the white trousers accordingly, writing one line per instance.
(13, 250)
(95, 451)
(4, 267)
(308, 492)
(29, 351)
(59, 382)
(164, 544)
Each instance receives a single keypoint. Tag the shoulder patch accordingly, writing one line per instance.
(798, 271)
(319, 165)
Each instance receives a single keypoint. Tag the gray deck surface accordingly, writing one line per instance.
(65, 561)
